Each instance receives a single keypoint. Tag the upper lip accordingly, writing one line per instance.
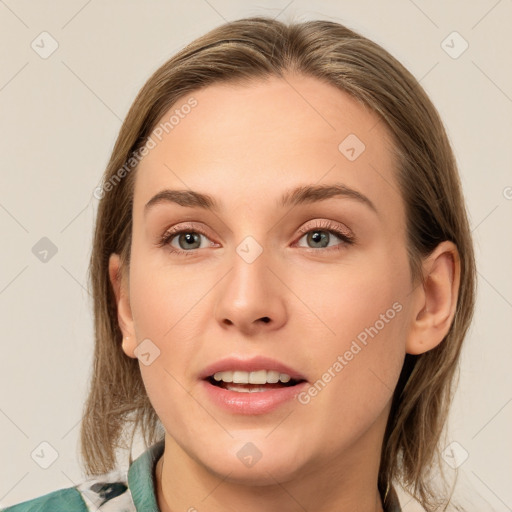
(249, 365)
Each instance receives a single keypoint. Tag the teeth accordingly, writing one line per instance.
(224, 376)
(240, 378)
(257, 377)
(230, 387)
(273, 377)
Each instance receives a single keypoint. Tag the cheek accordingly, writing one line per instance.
(360, 337)
(163, 298)
(165, 312)
(162, 304)
(354, 302)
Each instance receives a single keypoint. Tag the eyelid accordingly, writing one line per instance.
(180, 228)
(327, 225)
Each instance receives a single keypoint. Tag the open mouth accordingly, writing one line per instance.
(251, 382)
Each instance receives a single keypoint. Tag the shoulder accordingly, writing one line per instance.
(63, 500)
(102, 493)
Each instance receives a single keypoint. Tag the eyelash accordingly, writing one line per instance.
(323, 225)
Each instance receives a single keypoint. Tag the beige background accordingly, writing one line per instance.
(59, 119)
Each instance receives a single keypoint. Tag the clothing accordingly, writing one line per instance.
(117, 491)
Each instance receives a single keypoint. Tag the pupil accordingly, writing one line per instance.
(318, 237)
(190, 239)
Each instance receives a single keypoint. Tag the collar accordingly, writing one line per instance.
(141, 478)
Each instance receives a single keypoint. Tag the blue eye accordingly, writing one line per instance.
(189, 240)
(189, 237)
(322, 237)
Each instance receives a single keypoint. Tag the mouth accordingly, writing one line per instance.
(254, 386)
(258, 381)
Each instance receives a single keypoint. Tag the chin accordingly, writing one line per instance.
(256, 464)
(261, 474)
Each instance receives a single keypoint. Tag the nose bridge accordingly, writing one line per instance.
(250, 294)
(249, 278)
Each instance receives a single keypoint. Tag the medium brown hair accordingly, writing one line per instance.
(256, 48)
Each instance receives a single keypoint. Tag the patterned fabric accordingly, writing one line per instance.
(107, 493)
(121, 491)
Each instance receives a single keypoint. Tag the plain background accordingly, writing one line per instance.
(60, 117)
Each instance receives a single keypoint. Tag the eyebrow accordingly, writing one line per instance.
(301, 195)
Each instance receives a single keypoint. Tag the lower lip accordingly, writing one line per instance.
(258, 402)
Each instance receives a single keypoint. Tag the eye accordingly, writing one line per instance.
(320, 236)
(183, 239)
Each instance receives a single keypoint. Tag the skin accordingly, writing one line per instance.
(245, 145)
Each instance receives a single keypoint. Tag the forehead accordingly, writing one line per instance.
(246, 143)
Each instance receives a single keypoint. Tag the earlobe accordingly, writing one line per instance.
(436, 299)
(129, 345)
(124, 314)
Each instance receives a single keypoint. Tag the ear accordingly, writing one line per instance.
(119, 280)
(435, 300)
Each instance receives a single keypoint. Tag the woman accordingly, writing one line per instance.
(283, 276)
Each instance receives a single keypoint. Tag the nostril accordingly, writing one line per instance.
(266, 319)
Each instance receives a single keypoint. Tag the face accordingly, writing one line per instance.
(315, 288)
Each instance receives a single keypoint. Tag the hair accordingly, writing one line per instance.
(241, 52)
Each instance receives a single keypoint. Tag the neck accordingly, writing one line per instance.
(184, 484)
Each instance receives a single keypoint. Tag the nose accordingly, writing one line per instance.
(251, 298)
